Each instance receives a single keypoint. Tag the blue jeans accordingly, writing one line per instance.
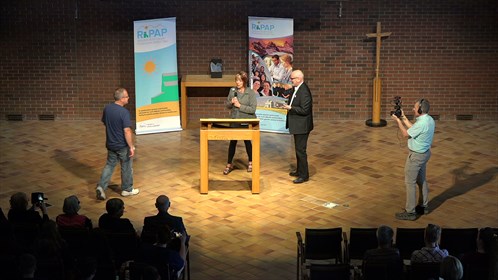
(126, 161)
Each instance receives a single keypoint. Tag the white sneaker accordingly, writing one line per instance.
(100, 193)
(127, 193)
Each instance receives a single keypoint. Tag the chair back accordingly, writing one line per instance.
(123, 245)
(322, 244)
(409, 240)
(329, 271)
(459, 240)
(50, 268)
(361, 240)
(476, 271)
(101, 248)
(417, 271)
(139, 271)
(383, 269)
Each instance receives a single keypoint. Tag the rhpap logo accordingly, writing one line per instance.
(262, 27)
(150, 31)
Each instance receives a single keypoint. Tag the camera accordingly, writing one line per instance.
(37, 197)
(397, 106)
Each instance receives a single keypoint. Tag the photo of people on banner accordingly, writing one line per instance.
(270, 76)
(271, 52)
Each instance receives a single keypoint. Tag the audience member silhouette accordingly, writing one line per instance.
(430, 252)
(86, 268)
(71, 218)
(49, 242)
(385, 257)
(6, 235)
(27, 266)
(20, 214)
(168, 261)
(4, 223)
(112, 221)
(51, 252)
(451, 269)
(153, 223)
(150, 273)
(480, 260)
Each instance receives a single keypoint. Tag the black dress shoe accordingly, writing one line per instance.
(294, 174)
(300, 180)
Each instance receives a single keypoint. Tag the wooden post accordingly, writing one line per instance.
(377, 84)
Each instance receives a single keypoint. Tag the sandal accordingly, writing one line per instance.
(249, 167)
(228, 169)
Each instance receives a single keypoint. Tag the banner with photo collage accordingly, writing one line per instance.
(271, 52)
(156, 76)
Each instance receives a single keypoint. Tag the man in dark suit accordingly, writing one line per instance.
(300, 123)
(153, 223)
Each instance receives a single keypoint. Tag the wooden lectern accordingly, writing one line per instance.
(219, 129)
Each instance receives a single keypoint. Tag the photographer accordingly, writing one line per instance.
(19, 212)
(419, 135)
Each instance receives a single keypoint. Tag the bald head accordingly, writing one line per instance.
(162, 203)
(297, 77)
(298, 74)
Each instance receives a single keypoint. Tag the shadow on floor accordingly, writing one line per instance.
(75, 167)
(463, 183)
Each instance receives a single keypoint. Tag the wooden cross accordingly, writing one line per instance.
(378, 36)
(376, 121)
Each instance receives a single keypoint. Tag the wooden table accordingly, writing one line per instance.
(200, 81)
(211, 131)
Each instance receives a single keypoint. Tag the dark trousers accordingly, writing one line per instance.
(301, 143)
(233, 145)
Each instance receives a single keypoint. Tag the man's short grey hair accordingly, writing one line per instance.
(118, 93)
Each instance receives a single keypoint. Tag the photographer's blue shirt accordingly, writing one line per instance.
(421, 133)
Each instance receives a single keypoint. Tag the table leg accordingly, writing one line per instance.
(184, 115)
(255, 161)
(204, 162)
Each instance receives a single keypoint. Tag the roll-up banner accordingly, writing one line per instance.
(156, 76)
(271, 52)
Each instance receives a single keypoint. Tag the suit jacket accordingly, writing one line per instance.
(173, 222)
(300, 116)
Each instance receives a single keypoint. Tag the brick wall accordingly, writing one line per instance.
(65, 57)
